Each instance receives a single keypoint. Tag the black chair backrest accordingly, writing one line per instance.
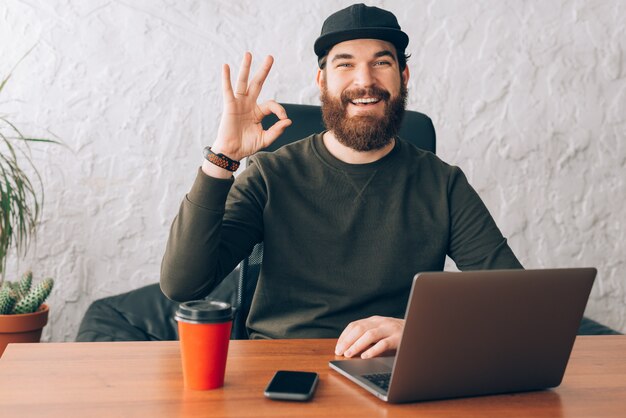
(416, 128)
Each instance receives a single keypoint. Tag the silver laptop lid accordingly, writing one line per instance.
(485, 332)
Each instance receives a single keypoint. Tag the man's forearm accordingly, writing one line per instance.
(191, 264)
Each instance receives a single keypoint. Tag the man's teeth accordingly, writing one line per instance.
(365, 101)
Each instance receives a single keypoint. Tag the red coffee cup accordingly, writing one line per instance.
(204, 332)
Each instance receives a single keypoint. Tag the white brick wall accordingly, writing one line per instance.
(528, 97)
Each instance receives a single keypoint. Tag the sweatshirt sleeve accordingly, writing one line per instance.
(475, 241)
(212, 233)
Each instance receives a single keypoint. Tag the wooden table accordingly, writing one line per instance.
(144, 379)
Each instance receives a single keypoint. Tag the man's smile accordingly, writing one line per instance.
(356, 101)
(365, 105)
(365, 101)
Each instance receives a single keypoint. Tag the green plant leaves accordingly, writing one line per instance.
(20, 201)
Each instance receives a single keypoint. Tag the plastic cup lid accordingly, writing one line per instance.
(204, 311)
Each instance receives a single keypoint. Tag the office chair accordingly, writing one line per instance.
(146, 314)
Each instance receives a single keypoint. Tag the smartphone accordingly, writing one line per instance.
(292, 386)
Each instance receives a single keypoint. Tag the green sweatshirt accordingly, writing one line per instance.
(341, 241)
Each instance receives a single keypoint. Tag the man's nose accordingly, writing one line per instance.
(363, 76)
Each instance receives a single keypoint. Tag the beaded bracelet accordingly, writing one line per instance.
(220, 160)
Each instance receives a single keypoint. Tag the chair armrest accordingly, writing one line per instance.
(144, 314)
(590, 327)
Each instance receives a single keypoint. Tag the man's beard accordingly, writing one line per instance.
(364, 132)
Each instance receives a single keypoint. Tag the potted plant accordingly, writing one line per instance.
(20, 209)
(22, 311)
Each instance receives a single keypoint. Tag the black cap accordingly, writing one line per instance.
(360, 22)
(204, 312)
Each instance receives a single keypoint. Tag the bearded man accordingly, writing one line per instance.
(347, 216)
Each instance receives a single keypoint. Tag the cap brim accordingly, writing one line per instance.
(324, 43)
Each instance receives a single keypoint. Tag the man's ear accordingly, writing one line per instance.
(319, 79)
(405, 76)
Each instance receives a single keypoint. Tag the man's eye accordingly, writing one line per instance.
(344, 64)
(382, 63)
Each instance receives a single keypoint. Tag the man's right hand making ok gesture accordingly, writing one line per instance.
(240, 133)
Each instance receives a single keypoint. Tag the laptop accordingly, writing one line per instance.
(479, 333)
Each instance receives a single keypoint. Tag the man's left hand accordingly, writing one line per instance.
(371, 337)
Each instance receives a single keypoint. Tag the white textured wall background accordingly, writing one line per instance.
(528, 97)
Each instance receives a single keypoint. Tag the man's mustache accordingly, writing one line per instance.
(372, 92)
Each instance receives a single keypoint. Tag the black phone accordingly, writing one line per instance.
(292, 386)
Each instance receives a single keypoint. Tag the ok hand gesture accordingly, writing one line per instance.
(240, 133)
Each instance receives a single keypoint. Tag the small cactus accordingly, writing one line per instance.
(21, 298)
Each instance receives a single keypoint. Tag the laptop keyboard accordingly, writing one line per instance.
(379, 379)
